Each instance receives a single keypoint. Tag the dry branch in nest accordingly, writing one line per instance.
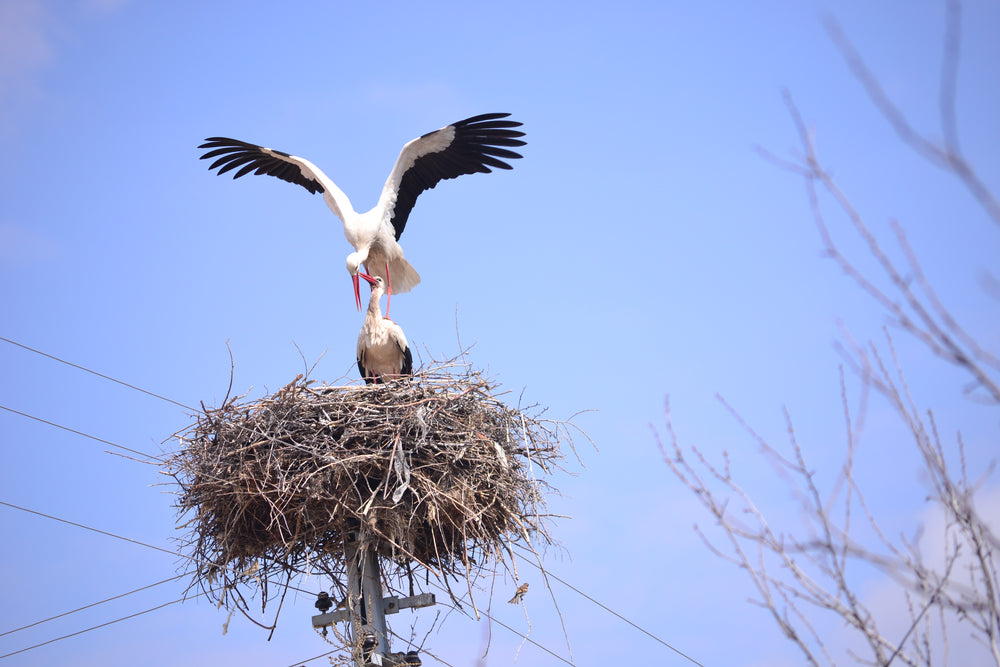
(434, 473)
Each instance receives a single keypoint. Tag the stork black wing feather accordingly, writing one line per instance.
(493, 162)
(482, 117)
(500, 152)
(254, 165)
(507, 142)
(475, 148)
(251, 158)
(285, 171)
(233, 161)
(220, 151)
(497, 132)
(364, 374)
(407, 367)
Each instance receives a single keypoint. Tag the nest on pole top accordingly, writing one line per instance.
(433, 472)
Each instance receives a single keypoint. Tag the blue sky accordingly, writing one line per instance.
(641, 227)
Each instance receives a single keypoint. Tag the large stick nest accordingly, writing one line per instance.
(433, 473)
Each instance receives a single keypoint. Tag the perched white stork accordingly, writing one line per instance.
(466, 147)
(382, 349)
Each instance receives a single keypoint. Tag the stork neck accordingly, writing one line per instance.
(356, 259)
(374, 309)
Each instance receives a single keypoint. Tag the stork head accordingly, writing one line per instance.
(375, 281)
(378, 287)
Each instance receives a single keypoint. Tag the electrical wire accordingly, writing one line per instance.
(96, 530)
(315, 657)
(102, 625)
(108, 534)
(526, 637)
(605, 607)
(101, 375)
(420, 649)
(85, 435)
(437, 657)
(92, 604)
(119, 537)
(503, 625)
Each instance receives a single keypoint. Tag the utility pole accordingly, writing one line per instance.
(366, 608)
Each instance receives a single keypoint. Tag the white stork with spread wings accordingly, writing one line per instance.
(383, 352)
(466, 147)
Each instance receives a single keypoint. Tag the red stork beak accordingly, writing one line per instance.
(357, 294)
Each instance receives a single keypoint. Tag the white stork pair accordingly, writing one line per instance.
(466, 147)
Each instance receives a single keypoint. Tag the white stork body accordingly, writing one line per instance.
(383, 352)
(466, 147)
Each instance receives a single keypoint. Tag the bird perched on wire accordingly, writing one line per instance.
(465, 147)
(519, 594)
(383, 352)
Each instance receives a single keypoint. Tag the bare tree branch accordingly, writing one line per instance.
(803, 576)
(948, 156)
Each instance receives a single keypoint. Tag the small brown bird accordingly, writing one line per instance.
(518, 594)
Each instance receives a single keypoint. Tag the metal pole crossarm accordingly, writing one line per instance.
(390, 605)
(393, 604)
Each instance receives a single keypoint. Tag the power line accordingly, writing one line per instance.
(544, 648)
(423, 650)
(436, 657)
(315, 657)
(150, 457)
(118, 537)
(504, 625)
(101, 375)
(95, 627)
(606, 608)
(93, 604)
(96, 530)
(108, 534)
(86, 435)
